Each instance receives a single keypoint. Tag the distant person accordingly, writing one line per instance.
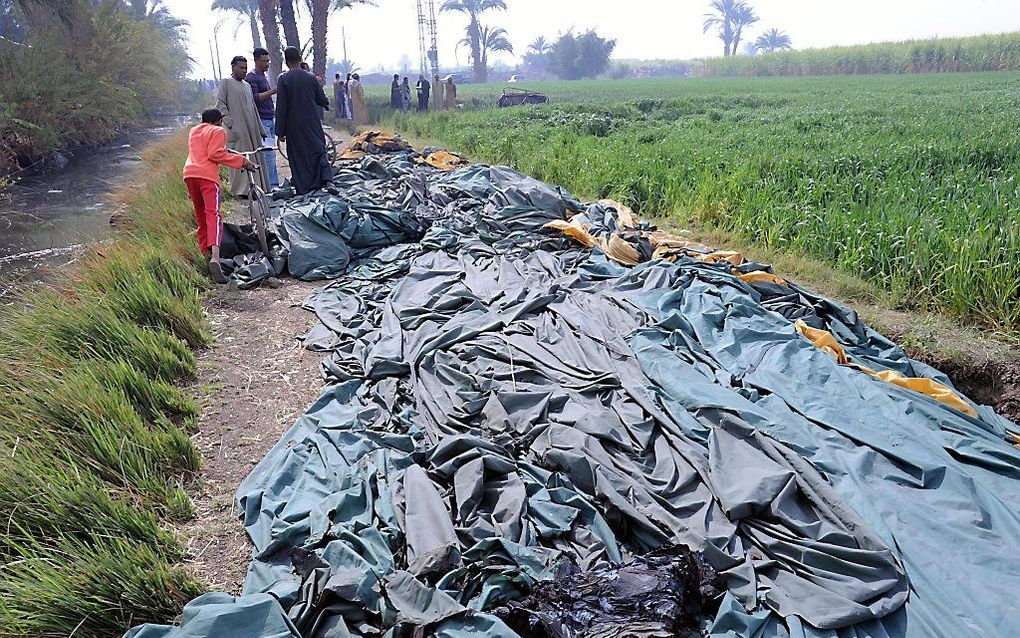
(451, 93)
(299, 106)
(207, 151)
(424, 91)
(244, 128)
(395, 93)
(347, 98)
(440, 101)
(343, 100)
(359, 106)
(263, 95)
(405, 94)
(339, 97)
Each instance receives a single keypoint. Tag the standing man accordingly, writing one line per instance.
(299, 106)
(395, 99)
(263, 95)
(359, 107)
(424, 91)
(440, 100)
(244, 129)
(339, 103)
(451, 94)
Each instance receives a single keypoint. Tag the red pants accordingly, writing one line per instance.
(205, 196)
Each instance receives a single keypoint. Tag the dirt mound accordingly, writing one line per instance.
(994, 383)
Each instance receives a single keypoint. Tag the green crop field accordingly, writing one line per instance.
(911, 181)
(936, 55)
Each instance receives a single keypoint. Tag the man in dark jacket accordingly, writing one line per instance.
(395, 98)
(299, 105)
(424, 92)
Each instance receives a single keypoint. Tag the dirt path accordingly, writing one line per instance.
(252, 384)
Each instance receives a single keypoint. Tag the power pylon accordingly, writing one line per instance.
(427, 38)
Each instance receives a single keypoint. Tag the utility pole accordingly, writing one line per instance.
(212, 60)
(428, 49)
(422, 20)
(348, 67)
(434, 34)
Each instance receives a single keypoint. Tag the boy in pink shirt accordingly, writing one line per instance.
(207, 150)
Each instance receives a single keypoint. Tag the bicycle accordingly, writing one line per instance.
(258, 203)
(332, 148)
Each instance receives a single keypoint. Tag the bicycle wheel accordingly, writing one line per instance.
(260, 219)
(332, 150)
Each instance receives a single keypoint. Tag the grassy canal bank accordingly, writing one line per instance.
(94, 446)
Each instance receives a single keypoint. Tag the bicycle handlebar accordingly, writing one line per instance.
(247, 154)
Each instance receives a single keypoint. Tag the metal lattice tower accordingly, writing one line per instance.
(434, 35)
(422, 22)
(428, 39)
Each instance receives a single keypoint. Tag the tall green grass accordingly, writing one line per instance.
(936, 55)
(94, 452)
(910, 181)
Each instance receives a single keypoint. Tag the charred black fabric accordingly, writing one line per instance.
(668, 592)
(242, 260)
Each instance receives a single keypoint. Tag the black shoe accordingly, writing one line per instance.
(216, 271)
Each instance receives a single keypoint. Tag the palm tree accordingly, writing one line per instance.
(489, 40)
(271, 31)
(540, 46)
(474, 9)
(719, 19)
(744, 17)
(346, 67)
(156, 12)
(245, 10)
(773, 40)
(320, 10)
(729, 18)
(288, 17)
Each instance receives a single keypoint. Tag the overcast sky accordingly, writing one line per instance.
(643, 28)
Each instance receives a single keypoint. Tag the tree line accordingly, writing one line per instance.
(66, 76)
(266, 17)
(729, 19)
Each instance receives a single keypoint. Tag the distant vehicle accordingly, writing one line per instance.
(458, 78)
(520, 97)
(514, 79)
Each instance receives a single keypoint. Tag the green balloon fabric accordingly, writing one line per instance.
(501, 400)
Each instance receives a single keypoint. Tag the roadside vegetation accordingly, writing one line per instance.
(910, 182)
(76, 79)
(94, 445)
